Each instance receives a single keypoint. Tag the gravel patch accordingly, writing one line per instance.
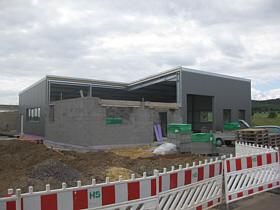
(55, 169)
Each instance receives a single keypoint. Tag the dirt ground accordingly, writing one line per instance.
(25, 164)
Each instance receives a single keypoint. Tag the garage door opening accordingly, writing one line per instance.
(200, 112)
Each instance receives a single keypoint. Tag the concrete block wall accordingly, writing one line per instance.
(9, 121)
(9, 117)
(82, 122)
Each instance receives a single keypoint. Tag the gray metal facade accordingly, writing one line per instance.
(34, 97)
(225, 92)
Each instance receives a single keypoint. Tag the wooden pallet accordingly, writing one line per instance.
(253, 136)
(38, 141)
(252, 131)
(274, 140)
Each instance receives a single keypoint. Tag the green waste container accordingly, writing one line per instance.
(179, 128)
(203, 137)
(232, 126)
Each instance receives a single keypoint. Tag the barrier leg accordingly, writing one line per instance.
(156, 172)
(18, 201)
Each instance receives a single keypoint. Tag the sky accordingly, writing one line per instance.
(127, 40)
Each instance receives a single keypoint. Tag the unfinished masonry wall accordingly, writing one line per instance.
(9, 117)
(82, 121)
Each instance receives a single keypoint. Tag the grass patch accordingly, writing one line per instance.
(261, 119)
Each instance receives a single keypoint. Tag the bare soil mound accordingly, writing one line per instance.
(25, 164)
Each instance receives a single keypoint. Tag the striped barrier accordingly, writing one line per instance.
(11, 202)
(95, 195)
(196, 187)
(167, 190)
(251, 174)
(242, 148)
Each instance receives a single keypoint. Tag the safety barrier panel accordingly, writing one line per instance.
(242, 148)
(11, 202)
(196, 187)
(247, 175)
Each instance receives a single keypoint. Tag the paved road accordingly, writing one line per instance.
(266, 200)
(262, 201)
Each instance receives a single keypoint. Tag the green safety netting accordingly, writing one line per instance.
(232, 126)
(179, 128)
(203, 137)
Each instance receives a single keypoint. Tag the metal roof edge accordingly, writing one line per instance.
(75, 79)
(214, 74)
(31, 86)
(156, 75)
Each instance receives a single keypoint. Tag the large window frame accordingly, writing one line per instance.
(33, 114)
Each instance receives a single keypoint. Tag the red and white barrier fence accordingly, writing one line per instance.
(248, 175)
(84, 197)
(196, 187)
(11, 202)
(242, 148)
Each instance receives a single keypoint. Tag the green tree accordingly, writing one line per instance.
(253, 112)
(272, 114)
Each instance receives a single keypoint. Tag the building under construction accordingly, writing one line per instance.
(73, 111)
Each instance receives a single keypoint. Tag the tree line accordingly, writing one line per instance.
(266, 105)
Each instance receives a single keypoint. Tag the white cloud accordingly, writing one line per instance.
(259, 95)
(127, 40)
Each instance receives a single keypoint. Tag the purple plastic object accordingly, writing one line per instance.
(156, 131)
(159, 132)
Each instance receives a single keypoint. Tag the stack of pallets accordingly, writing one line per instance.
(274, 139)
(253, 136)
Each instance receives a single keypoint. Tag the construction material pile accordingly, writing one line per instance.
(258, 136)
(180, 135)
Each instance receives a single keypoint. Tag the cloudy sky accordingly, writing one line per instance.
(127, 40)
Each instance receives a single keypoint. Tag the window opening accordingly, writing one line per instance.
(206, 116)
(51, 114)
(227, 115)
(241, 114)
(33, 115)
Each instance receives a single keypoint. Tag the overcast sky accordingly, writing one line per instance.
(125, 41)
